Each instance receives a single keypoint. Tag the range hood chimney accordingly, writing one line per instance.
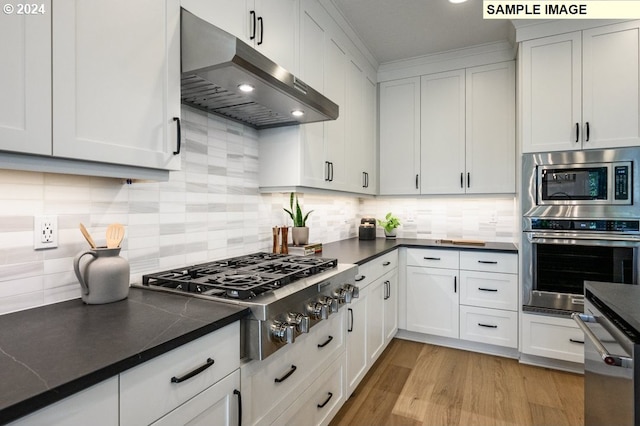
(215, 64)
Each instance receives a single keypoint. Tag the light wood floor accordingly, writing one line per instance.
(418, 384)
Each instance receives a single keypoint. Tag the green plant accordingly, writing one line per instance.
(296, 215)
(390, 223)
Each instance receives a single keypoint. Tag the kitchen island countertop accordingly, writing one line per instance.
(359, 252)
(51, 352)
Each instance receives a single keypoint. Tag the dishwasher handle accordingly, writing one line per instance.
(609, 359)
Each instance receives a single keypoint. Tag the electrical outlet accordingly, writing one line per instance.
(45, 232)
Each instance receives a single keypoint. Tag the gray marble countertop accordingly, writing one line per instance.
(358, 251)
(54, 351)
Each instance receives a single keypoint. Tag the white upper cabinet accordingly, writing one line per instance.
(400, 136)
(449, 133)
(269, 26)
(581, 90)
(116, 81)
(25, 82)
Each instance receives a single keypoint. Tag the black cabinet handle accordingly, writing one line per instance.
(252, 15)
(468, 180)
(327, 400)
(386, 264)
(487, 289)
(286, 376)
(577, 341)
(328, 170)
(193, 372)
(362, 277)
(455, 284)
(431, 258)
(417, 181)
(487, 325)
(350, 329)
(322, 345)
(261, 22)
(577, 132)
(587, 132)
(237, 392)
(461, 180)
(179, 143)
(488, 262)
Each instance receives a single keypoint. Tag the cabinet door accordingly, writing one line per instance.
(116, 81)
(491, 133)
(356, 341)
(400, 136)
(369, 143)
(217, 405)
(335, 88)
(432, 301)
(356, 108)
(551, 93)
(277, 31)
(610, 87)
(391, 307)
(25, 82)
(442, 118)
(375, 320)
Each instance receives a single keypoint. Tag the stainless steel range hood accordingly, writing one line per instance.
(215, 63)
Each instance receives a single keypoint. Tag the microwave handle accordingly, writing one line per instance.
(547, 237)
(613, 360)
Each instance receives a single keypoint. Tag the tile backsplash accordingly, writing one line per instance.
(211, 209)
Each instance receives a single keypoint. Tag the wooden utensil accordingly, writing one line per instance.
(87, 236)
(115, 234)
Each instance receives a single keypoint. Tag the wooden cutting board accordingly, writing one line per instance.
(462, 242)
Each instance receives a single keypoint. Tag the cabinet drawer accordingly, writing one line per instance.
(269, 386)
(489, 290)
(374, 269)
(489, 261)
(320, 402)
(493, 326)
(552, 337)
(433, 258)
(152, 381)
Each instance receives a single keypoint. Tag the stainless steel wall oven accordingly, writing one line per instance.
(581, 221)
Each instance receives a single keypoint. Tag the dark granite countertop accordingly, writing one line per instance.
(54, 351)
(358, 251)
(623, 299)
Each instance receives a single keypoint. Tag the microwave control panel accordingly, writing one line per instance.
(621, 182)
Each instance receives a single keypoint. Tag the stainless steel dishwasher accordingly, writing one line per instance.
(610, 363)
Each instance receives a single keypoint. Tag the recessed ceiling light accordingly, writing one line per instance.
(246, 87)
(457, 1)
(297, 113)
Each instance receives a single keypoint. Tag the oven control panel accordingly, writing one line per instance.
(586, 225)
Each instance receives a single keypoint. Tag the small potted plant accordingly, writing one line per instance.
(390, 225)
(300, 232)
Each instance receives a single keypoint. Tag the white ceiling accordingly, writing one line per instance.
(401, 29)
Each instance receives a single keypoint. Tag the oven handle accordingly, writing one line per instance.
(548, 237)
(613, 360)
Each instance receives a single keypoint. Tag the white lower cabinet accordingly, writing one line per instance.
(157, 387)
(356, 341)
(492, 326)
(271, 386)
(552, 337)
(97, 405)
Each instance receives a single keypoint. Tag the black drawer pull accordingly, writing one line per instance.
(322, 345)
(577, 341)
(237, 392)
(326, 401)
(386, 264)
(488, 262)
(286, 376)
(350, 329)
(431, 258)
(179, 136)
(487, 325)
(487, 289)
(362, 277)
(194, 372)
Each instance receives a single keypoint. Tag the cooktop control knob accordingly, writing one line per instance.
(300, 321)
(330, 302)
(318, 310)
(283, 332)
(343, 295)
(354, 290)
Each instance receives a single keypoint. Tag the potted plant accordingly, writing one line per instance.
(300, 232)
(390, 223)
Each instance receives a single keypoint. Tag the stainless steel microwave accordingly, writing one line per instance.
(581, 184)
